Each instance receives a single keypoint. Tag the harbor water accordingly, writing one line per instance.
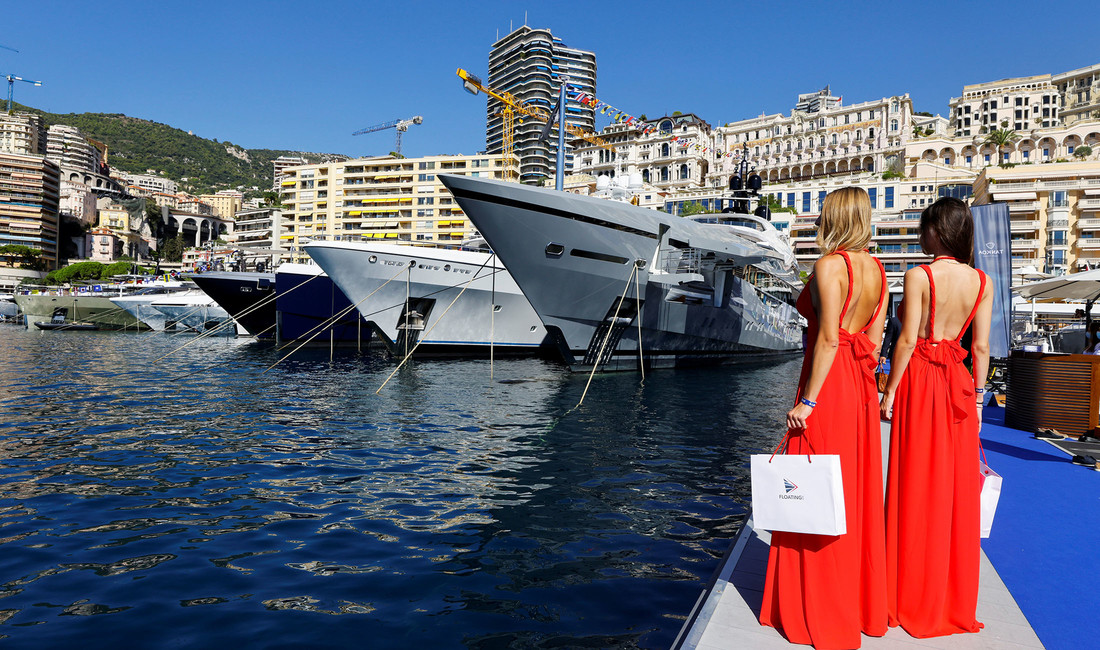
(208, 499)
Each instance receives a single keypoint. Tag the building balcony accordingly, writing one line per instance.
(1016, 186)
(1024, 245)
(894, 237)
(1023, 206)
(899, 255)
(1090, 205)
(1088, 224)
(1088, 243)
(1028, 225)
(1057, 223)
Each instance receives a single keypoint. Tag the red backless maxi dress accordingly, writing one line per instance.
(933, 499)
(824, 590)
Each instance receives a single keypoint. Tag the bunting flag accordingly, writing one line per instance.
(622, 117)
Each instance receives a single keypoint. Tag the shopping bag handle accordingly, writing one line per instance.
(982, 450)
(785, 442)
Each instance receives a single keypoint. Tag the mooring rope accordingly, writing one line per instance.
(638, 316)
(322, 325)
(437, 321)
(492, 319)
(606, 338)
(214, 330)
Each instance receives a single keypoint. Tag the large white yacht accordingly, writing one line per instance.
(447, 300)
(604, 276)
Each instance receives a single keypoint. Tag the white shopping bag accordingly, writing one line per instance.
(991, 494)
(798, 493)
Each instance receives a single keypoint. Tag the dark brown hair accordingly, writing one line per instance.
(952, 222)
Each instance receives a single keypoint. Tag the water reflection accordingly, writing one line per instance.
(450, 510)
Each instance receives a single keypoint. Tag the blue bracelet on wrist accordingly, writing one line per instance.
(807, 402)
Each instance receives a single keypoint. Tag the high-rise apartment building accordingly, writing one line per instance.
(67, 146)
(531, 64)
(281, 164)
(256, 235)
(400, 200)
(22, 133)
(29, 191)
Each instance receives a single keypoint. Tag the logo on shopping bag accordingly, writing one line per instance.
(789, 487)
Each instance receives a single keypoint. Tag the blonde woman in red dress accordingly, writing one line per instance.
(933, 510)
(825, 590)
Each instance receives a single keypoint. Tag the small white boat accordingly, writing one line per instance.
(195, 310)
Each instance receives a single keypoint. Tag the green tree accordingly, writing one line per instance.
(173, 250)
(271, 198)
(24, 256)
(1002, 138)
(1084, 151)
(691, 208)
(775, 205)
(75, 272)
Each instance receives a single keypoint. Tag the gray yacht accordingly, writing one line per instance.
(605, 276)
(449, 301)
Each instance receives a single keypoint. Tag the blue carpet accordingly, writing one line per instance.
(1044, 537)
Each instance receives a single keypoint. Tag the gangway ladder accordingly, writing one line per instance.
(612, 328)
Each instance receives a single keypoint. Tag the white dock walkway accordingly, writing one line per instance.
(727, 614)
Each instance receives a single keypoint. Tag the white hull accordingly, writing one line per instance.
(455, 290)
(195, 310)
(574, 258)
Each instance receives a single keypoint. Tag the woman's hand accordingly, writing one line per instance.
(980, 405)
(886, 407)
(796, 417)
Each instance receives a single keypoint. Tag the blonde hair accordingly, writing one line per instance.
(845, 221)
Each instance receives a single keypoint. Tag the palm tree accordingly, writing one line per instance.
(1001, 138)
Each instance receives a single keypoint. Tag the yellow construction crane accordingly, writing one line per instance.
(511, 106)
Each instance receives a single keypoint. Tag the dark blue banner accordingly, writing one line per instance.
(993, 255)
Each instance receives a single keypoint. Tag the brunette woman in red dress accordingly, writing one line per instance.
(825, 590)
(933, 509)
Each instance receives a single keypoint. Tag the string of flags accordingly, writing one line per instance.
(622, 117)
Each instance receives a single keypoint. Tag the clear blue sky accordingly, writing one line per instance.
(304, 75)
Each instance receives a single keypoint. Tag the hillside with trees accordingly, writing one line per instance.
(136, 146)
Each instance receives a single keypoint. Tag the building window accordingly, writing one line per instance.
(683, 172)
(893, 125)
(664, 150)
(790, 199)
(969, 160)
(806, 202)
(888, 200)
(664, 173)
(872, 193)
